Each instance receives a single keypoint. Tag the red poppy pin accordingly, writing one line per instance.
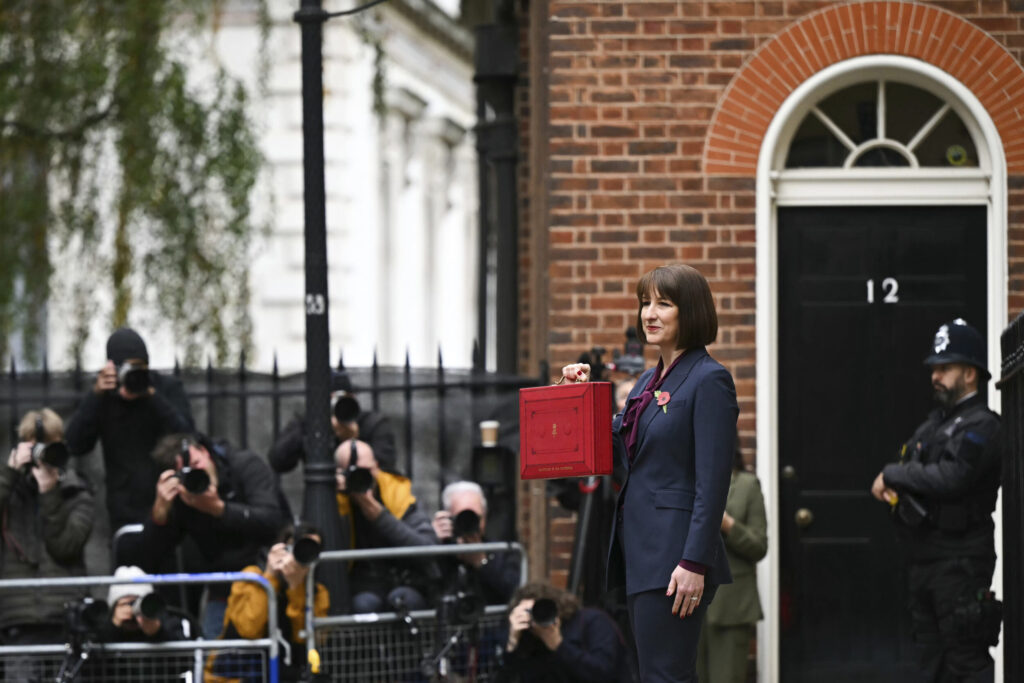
(663, 398)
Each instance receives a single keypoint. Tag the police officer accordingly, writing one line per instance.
(943, 493)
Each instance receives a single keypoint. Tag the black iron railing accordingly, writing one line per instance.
(434, 411)
(1011, 385)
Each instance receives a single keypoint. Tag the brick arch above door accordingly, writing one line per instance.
(844, 31)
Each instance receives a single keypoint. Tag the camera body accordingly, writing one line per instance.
(195, 480)
(84, 619)
(460, 607)
(134, 377)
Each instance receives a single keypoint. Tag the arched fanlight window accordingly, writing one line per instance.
(882, 124)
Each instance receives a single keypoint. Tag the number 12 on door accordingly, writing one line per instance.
(890, 287)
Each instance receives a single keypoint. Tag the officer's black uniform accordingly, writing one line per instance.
(947, 480)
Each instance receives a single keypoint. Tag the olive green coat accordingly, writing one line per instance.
(745, 544)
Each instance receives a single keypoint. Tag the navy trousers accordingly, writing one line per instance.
(666, 646)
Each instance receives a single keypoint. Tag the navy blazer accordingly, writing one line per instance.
(672, 500)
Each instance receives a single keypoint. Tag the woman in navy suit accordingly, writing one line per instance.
(676, 438)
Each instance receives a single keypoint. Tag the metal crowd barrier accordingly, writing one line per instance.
(184, 660)
(385, 646)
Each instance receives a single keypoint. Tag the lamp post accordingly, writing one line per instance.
(319, 507)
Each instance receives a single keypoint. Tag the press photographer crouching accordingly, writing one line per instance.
(138, 614)
(551, 638)
(286, 568)
(464, 520)
(381, 512)
(48, 514)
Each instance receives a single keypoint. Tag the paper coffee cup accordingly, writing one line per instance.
(489, 433)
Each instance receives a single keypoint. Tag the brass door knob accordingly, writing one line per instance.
(804, 518)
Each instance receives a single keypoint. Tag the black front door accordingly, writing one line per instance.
(861, 293)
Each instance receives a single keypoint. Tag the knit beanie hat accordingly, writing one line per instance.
(126, 343)
(120, 590)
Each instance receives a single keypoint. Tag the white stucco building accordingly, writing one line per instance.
(400, 179)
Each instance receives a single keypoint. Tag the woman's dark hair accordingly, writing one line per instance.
(568, 604)
(689, 291)
(290, 532)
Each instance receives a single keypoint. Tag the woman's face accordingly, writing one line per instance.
(660, 318)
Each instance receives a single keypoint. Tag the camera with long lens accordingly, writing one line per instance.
(134, 377)
(194, 480)
(305, 550)
(460, 607)
(150, 606)
(53, 454)
(466, 523)
(346, 408)
(544, 612)
(358, 479)
(84, 619)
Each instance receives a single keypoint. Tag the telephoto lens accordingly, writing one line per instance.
(346, 409)
(305, 550)
(358, 479)
(194, 480)
(134, 377)
(151, 606)
(466, 523)
(544, 612)
(53, 454)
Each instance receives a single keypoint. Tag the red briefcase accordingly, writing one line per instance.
(565, 430)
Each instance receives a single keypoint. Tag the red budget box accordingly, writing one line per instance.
(565, 430)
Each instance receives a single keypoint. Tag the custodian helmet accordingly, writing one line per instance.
(958, 342)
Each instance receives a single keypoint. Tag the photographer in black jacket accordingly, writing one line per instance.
(348, 421)
(128, 409)
(943, 492)
(219, 503)
(551, 639)
(464, 520)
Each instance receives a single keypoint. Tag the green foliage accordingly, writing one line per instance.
(140, 177)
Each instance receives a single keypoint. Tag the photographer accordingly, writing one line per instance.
(382, 513)
(348, 421)
(128, 409)
(551, 638)
(286, 568)
(47, 517)
(219, 503)
(137, 614)
(464, 520)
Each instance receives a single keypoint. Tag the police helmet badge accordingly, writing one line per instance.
(942, 339)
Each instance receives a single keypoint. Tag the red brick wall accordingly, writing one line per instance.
(652, 117)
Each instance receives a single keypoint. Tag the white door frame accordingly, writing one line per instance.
(983, 186)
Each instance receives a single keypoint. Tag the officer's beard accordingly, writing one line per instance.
(947, 397)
